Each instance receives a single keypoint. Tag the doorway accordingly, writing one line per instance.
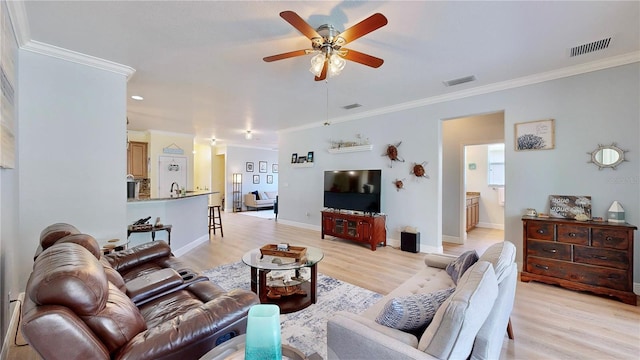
(457, 134)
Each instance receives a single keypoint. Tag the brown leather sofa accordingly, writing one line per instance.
(140, 303)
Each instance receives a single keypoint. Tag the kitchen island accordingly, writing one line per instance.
(187, 214)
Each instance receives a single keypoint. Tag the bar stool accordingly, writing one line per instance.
(213, 224)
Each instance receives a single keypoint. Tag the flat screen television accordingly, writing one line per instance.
(357, 190)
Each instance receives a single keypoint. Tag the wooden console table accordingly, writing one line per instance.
(361, 228)
(152, 230)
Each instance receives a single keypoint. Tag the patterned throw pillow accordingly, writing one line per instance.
(458, 266)
(412, 312)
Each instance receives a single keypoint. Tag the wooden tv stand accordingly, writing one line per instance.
(361, 228)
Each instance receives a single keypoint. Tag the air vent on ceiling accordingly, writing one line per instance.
(351, 106)
(590, 47)
(459, 81)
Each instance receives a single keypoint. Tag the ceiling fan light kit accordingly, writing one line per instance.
(327, 45)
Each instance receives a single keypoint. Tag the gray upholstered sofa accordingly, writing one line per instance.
(266, 200)
(471, 323)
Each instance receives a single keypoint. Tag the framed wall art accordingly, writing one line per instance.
(535, 135)
(274, 168)
(310, 156)
(256, 179)
(269, 179)
(294, 158)
(249, 167)
(262, 166)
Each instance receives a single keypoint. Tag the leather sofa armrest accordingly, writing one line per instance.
(134, 256)
(151, 284)
(348, 338)
(192, 327)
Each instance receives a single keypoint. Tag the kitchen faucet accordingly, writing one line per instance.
(177, 189)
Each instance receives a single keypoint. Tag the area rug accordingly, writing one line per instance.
(306, 329)
(263, 214)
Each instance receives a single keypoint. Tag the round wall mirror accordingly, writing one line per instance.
(607, 156)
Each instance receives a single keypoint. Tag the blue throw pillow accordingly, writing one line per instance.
(256, 194)
(457, 267)
(413, 312)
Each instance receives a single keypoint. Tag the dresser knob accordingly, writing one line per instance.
(572, 235)
(601, 257)
(542, 267)
(540, 231)
(609, 238)
(553, 251)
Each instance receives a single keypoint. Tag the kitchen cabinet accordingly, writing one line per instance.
(137, 159)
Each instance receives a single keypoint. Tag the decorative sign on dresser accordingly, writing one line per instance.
(580, 255)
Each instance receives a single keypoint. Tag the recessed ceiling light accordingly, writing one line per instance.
(137, 97)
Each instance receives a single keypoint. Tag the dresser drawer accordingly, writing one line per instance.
(573, 234)
(585, 274)
(610, 238)
(549, 249)
(540, 231)
(602, 257)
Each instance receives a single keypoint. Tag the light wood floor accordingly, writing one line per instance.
(549, 322)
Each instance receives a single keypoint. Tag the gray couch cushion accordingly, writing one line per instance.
(454, 327)
(457, 267)
(501, 256)
(412, 312)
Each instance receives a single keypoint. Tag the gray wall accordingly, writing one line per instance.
(236, 159)
(589, 109)
(71, 159)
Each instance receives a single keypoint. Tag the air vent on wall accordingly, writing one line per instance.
(590, 47)
(352, 106)
(459, 81)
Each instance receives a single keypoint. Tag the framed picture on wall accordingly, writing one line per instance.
(269, 179)
(249, 167)
(310, 156)
(294, 158)
(274, 168)
(256, 179)
(262, 166)
(535, 135)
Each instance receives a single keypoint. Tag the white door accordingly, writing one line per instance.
(171, 169)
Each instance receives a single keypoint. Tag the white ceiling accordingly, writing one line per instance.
(199, 64)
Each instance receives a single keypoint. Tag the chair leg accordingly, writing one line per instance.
(510, 329)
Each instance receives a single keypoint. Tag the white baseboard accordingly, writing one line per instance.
(636, 288)
(490, 226)
(190, 246)
(300, 225)
(452, 239)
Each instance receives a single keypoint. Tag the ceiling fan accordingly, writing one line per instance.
(327, 43)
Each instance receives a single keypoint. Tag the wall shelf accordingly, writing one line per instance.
(348, 149)
(302, 165)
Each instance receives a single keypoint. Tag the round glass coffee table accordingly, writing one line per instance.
(234, 350)
(290, 285)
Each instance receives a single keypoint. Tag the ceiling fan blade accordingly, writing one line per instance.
(301, 25)
(362, 28)
(285, 55)
(323, 74)
(362, 58)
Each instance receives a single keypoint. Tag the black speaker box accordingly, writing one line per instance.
(410, 242)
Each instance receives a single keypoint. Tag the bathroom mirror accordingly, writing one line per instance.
(607, 156)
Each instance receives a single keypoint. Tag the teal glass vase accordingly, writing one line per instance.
(263, 333)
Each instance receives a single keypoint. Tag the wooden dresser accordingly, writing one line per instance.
(580, 255)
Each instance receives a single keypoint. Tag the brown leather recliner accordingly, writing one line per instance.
(80, 307)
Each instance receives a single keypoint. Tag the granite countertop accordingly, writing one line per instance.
(189, 194)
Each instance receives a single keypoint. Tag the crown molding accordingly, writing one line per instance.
(78, 58)
(607, 63)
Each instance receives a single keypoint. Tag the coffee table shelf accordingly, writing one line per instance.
(289, 303)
